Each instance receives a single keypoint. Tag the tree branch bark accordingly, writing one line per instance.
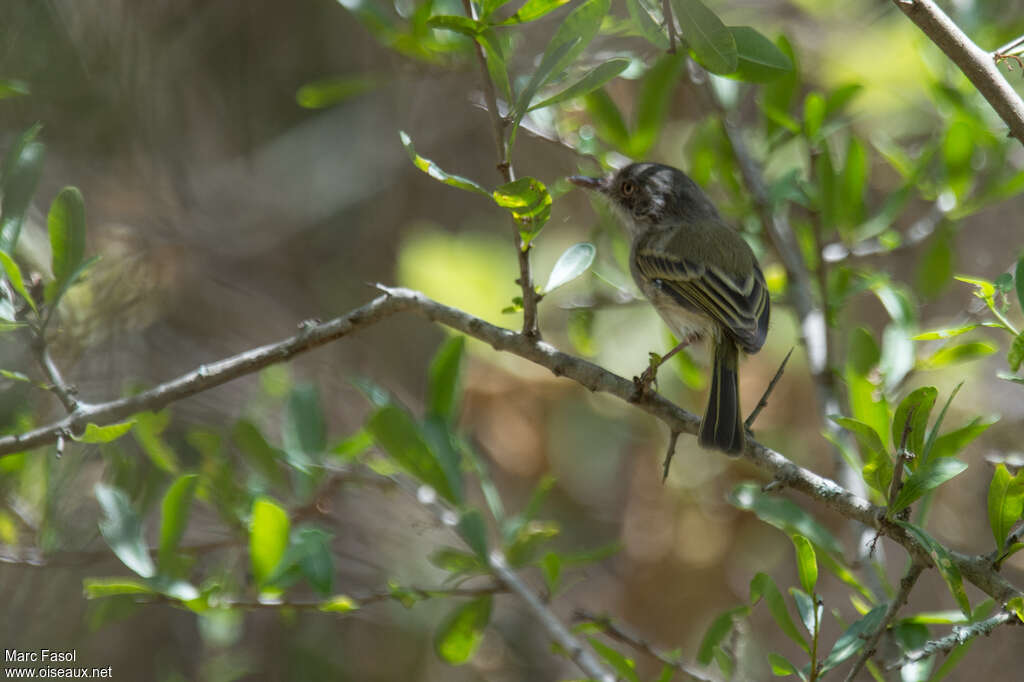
(978, 65)
(975, 569)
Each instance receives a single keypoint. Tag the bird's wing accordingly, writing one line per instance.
(740, 306)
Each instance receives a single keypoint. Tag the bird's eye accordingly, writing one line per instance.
(628, 188)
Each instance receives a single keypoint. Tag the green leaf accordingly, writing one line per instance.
(66, 223)
(814, 114)
(853, 640)
(456, 561)
(806, 563)
(573, 262)
(965, 352)
(174, 515)
(1016, 355)
(14, 376)
(946, 333)
(13, 88)
(262, 456)
(719, 629)
(341, 603)
(1005, 503)
(398, 435)
(330, 91)
(148, 427)
(14, 277)
(935, 268)
(96, 588)
(533, 10)
(928, 476)
(592, 80)
(23, 167)
(763, 587)
(920, 401)
(950, 573)
(983, 289)
(1018, 281)
(304, 431)
(528, 540)
(496, 67)
(528, 201)
(656, 90)
(607, 119)
(551, 568)
(624, 666)
(781, 667)
(473, 531)
(268, 538)
(867, 403)
(122, 529)
(441, 442)
(104, 434)
(312, 555)
(463, 25)
(646, 25)
(434, 171)
(865, 434)
(573, 35)
(809, 610)
(852, 183)
(759, 59)
(459, 636)
(951, 443)
(443, 379)
(710, 41)
(785, 515)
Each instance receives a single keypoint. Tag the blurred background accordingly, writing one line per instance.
(227, 209)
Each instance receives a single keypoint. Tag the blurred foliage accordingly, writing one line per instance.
(876, 212)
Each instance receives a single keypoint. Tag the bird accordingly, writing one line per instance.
(699, 274)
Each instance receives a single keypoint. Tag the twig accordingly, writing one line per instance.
(580, 654)
(673, 437)
(959, 636)
(870, 646)
(621, 634)
(64, 393)
(977, 64)
(763, 402)
(357, 600)
(525, 281)
(975, 569)
(903, 456)
(670, 23)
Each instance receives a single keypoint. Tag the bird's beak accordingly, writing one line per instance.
(586, 182)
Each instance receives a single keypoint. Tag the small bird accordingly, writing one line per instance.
(700, 275)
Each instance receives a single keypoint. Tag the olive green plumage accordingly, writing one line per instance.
(700, 275)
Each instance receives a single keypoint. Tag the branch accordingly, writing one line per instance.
(976, 569)
(978, 65)
(525, 281)
(906, 585)
(620, 634)
(576, 651)
(959, 636)
(357, 600)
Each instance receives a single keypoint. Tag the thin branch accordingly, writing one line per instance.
(959, 636)
(903, 457)
(357, 600)
(621, 634)
(525, 281)
(975, 569)
(60, 388)
(580, 654)
(870, 647)
(978, 65)
(673, 438)
(763, 402)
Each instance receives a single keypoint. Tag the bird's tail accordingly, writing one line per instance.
(722, 426)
